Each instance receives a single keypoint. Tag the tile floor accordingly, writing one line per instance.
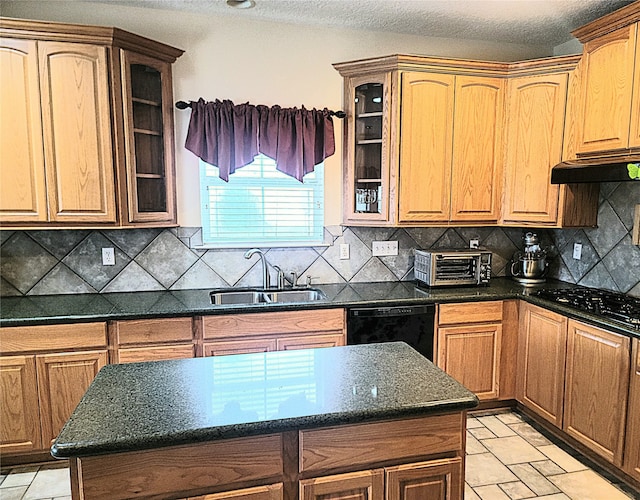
(507, 459)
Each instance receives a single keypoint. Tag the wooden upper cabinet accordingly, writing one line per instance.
(477, 149)
(77, 132)
(534, 138)
(607, 88)
(609, 103)
(426, 135)
(87, 127)
(22, 176)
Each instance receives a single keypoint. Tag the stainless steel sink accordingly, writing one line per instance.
(256, 296)
(224, 297)
(303, 295)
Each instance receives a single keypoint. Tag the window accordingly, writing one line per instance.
(261, 206)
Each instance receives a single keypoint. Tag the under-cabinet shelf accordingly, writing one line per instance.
(149, 176)
(147, 132)
(368, 181)
(364, 142)
(148, 102)
(373, 114)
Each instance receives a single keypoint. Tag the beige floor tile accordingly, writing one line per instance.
(562, 458)
(469, 494)
(19, 477)
(484, 468)
(530, 434)
(509, 418)
(14, 493)
(555, 496)
(474, 446)
(491, 492)
(482, 433)
(512, 450)
(587, 485)
(49, 483)
(496, 426)
(548, 467)
(473, 423)
(517, 490)
(535, 481)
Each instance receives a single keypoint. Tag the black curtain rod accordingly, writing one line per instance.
(185, 105)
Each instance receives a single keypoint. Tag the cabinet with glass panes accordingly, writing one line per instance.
(149, 158)
(367, 136)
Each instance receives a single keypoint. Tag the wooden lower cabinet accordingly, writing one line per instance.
(363, 485)
(153, 339)
(270, 492)
(632, 437)
(541, 362)
(469, 349)
(63, 378)
(434, 480)
(273, 331)
(19, 407)
(596, 389)
(40, 391)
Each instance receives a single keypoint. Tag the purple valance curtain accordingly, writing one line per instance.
(230, 136)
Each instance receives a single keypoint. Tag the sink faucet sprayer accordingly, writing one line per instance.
(266, 279)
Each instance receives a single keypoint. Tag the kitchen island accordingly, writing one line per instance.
(372, 420)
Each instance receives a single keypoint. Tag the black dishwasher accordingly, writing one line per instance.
(411, 324)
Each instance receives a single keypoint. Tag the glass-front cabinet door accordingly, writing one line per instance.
(148, 118)
(367, 177)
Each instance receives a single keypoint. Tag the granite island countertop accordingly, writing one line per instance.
(56, 309)
(139, 406)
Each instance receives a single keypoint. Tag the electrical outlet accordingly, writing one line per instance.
(108, 257)
(577, 251)
(344, 251)
(474, 243)
(384, 248)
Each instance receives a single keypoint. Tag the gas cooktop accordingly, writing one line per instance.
(612, 305)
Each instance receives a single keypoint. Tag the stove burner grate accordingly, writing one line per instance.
(613, 305)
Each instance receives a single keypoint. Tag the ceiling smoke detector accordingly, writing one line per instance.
(241, 4)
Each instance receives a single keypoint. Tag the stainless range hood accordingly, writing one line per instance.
(595, 170)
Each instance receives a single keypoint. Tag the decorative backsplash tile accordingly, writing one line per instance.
(70, 262)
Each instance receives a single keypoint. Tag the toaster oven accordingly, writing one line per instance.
(452, 267)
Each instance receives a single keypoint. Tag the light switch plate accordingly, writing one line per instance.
(384, 248)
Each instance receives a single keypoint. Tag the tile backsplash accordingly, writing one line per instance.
(70, 262)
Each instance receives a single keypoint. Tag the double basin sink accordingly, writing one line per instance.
(265, 296)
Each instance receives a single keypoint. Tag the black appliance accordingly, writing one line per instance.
(612, 305)
(596, 170)
(411, 324)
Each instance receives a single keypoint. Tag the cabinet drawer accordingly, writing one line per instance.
(53, 337)
(184, 469)
(368, 444)
(158, 353)
(268, 323)
(146, 331)
(469, 312)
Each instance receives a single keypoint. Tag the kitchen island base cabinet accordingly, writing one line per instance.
(288, 463)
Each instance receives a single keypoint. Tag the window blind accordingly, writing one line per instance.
(260, 205)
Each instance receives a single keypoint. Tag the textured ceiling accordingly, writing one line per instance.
(544, 22)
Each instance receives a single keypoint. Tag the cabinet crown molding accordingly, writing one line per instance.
(611, 22)
(102, 35)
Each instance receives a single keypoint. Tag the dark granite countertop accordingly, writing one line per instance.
(163, 403)
(51, 309)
